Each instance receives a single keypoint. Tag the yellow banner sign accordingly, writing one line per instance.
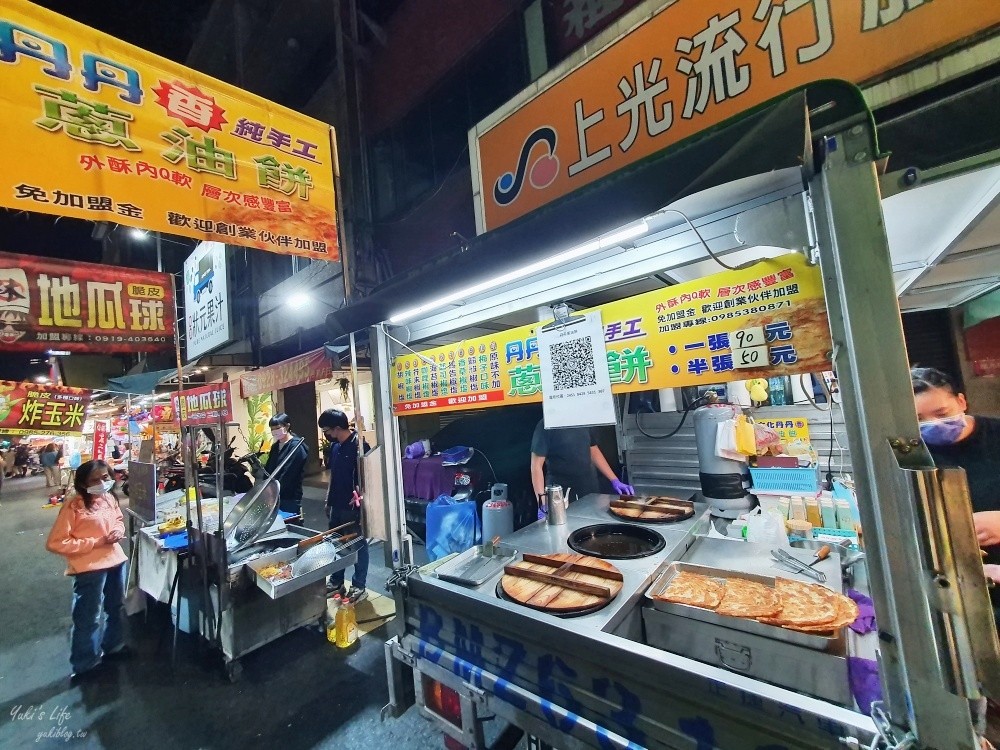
(688, 334)
(789, 428)
(692, 66)
(98, 129)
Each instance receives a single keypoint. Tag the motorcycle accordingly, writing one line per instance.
(236, 472)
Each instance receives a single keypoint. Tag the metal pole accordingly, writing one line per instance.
(916, 659)
(159, 253)
(355, 393)
(398, 551)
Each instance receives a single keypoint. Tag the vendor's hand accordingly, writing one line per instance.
(993, 573)
(987, 527)
(355, 500)
(621, 488)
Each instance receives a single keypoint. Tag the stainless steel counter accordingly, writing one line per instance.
(541, 538)
(479, 629)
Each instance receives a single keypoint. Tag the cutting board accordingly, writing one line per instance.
(553, 597)
(652, 509)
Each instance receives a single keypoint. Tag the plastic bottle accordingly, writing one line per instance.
(797, 509)
(829, 513)
(776, 390)
(347, 625)
(845, 519)
(784, 507)
(331, 627)
(813, 514)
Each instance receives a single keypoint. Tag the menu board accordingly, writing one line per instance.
(682, 335)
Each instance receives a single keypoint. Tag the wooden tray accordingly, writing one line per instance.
(561, 583)
(651, 509)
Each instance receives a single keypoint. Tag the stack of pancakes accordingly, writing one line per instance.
(806, 607)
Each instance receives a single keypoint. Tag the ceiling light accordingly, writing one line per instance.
(42, 379)
(298, 300)
(138, 234)
(58, 353)
(601, 243)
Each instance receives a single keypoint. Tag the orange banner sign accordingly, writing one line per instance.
(692, 66)
(305, 368)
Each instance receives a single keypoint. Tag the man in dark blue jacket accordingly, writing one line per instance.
(343, 498)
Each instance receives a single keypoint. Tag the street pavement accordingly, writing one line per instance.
(298, 692)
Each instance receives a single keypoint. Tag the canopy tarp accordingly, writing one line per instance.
(143, 383)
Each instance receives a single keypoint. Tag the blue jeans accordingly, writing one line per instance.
(92, 592)
(338, 517)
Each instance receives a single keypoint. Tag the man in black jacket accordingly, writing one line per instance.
(290, 477)
(343, 498)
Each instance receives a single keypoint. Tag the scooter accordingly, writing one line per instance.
(236, 476)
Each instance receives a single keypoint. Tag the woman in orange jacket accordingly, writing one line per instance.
(87, 533)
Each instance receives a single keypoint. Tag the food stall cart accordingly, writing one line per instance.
(629, 673)
(242, 582)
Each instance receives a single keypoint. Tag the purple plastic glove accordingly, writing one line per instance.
(865, 622)
(621, 488)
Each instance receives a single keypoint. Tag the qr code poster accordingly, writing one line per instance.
(576, 384)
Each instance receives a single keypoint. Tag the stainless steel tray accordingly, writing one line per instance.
(346, 555)
(480, 568)
(809, 640)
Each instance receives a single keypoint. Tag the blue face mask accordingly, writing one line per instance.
(942, 431)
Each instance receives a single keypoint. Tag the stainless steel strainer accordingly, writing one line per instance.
(256, 511)
(314, 558)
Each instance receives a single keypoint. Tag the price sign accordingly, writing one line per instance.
(748, 337)
(755, 356)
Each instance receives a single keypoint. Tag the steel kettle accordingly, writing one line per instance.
(557, 502)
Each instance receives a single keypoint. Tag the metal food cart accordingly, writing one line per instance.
(239, 605)
(799, 174)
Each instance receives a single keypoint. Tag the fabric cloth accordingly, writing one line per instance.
(337, 517)
(93, 592)
(979, 455)
(567, 458)
(426, 478)
(78, 534)
(865, 622)
(48, 458)
(342, 461)
(863, 677)
(290, 478)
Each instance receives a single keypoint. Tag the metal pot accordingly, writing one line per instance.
(557, 502)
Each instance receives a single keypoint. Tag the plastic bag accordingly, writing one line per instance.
(766, 528)
(451, 526)
(725, 441)
(135, 598)
(746, 442)
(766, 438)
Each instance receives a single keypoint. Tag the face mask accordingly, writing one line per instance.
(942, 431)
(277, 434)
(100, 489)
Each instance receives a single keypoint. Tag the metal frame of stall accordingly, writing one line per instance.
(938, 648)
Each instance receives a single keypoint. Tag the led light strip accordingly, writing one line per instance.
(602, 243)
